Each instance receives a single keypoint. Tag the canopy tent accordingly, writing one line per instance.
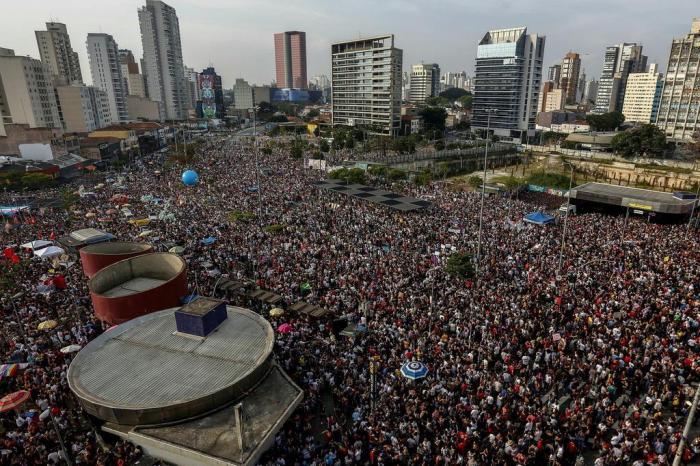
(48, 252)
(37, 244)
(539, 218)
(11, 211)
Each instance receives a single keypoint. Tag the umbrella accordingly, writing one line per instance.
(208, 240)
(47, 325)
(13, 400)
(176, 250)
(70, 349)
(284, 328)
(90, 215)
(414, 370)
(276, 312)
(143, 234)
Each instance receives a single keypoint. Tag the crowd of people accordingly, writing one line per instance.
(595, 363)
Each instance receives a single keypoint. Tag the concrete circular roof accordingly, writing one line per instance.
(144, 373)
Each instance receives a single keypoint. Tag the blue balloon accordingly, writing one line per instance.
(190, 178)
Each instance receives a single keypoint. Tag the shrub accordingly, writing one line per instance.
(460, 265)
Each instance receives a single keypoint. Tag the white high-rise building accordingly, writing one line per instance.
(642, 96)
(320, 82)
(27, 92)
(366, 84)
(425, 82)
(107, 74)
(83, 108)
(620, 61)
(162, 55)
(507, 83)
(56, 52)
(679, 110)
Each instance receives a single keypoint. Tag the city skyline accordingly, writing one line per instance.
(235, 36)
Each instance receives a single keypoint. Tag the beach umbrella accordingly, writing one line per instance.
(13, 400)
(284, 328)
(47, 325)
(70, 349)
(176, 250)
(276, 312)
(414, 370)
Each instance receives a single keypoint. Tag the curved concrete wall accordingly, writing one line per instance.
(96, 257)
(169, 270)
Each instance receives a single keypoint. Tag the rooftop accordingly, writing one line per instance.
(636, 198)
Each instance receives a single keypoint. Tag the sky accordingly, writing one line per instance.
(236, 36)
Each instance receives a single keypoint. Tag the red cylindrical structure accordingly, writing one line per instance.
(137, 286)
(96, 257)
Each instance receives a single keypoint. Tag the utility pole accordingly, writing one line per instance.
(566, 219)
(483, 185)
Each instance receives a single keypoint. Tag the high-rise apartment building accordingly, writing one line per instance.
(130, 73)
(642, 95)
(620, 61)
(83, 108)
(554, 74)
(459, 80)
(570, 70)
(366, 84)
(290, 59)
(242, 95)
(425, 82)
(106, 72)
(679, 110)
(27, 92)
(192, 81)
(591, 91)
(211, 104)
(162, 55)
(507, 82)
(581, 88)
(56, 52)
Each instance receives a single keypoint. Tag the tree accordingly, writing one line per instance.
(350, 175)
(694, 146)
(323, 146)
(265, 107)
(437, 102)
(644, 140)
(474, 181)
(454, 93)
(36, 180)
(466, 101)
(433, 119)
(296, 151)
(460, 265)
(278, 119)
(68, 198)
(552, 137)
(314, 113)
(606, 122)
(394, 174)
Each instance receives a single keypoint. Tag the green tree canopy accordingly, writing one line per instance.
(646, 140)
(454, 93)
(351, 175)
(437, 102)
(606, 122)
(466, 101)
(433, 119)
(460, 265)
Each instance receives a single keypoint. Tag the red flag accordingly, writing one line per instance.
(14, 259)
(8, 253)
(52, 236)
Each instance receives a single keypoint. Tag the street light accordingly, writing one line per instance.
(489, 111)
(566, 217)
(257, 165)
(692, 212)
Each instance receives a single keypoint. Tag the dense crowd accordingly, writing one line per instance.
(593, 365)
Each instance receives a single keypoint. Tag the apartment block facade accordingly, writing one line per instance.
(106, 72)
(290, 60)
(83, 108)
(366, 84)
(57, 53)
(620, 61)
(642, 96)
(425, 82)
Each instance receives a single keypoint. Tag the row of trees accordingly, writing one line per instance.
(31, 181)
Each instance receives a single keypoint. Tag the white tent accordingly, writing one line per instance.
(51, 251)
(37, 244)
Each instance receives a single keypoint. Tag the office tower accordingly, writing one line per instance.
(130, 73)
(591, 91)
(83, 108)
(679, 110)
(366, 84)
(570, 69)
(56, 52)
(27, 92)
(192, 82)
(554, 74)
(581, 88)
(242, 95)
(107, 73)
(642, 96)
(162, 54)
(620, 61)
(507, 82)
(212, 95)
(425, 82)
(290, 59)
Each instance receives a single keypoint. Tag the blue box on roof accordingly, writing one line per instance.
(201, 316)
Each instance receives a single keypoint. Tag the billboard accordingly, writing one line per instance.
(206, 90)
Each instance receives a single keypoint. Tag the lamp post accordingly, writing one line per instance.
(489, 111)
(257, 165)
(695, 202)
(566, 218)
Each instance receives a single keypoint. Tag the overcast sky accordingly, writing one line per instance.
(236, 35)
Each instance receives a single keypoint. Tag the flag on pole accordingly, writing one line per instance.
(305, 287)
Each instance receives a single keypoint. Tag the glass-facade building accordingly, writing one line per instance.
(507, 83)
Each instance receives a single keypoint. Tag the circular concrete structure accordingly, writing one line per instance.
(144, 373)
(96, 257)
(137, 286)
